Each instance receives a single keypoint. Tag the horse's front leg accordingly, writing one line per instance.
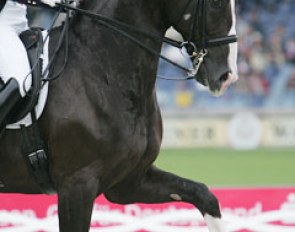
(76, 195)
(158, 187)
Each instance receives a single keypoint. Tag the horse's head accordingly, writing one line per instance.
(208, 26)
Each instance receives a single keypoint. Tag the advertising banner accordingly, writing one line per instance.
(279, 131)
(244, 130)
(201, 132)
(244, 210)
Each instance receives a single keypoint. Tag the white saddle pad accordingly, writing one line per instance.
(26, 121)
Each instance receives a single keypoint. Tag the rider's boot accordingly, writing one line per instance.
(9, 96)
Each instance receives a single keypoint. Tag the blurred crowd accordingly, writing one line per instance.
(266, 64)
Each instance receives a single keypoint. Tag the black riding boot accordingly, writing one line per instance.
(9, 96)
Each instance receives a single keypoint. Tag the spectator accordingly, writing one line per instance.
(266, 60)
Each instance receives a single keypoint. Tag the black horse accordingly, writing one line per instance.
(102, 123)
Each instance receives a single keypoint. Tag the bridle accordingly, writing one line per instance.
(200, 14)
(197, 50)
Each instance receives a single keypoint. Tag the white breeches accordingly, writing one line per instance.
(13, 56)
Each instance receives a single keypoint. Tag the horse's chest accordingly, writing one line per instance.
(134, 139)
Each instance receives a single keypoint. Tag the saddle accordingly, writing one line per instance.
(33, 42)
(34, 148)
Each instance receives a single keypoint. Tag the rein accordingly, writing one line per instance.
(119, 27)
(196, 50)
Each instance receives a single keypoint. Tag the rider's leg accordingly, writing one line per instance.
(14, 59)
(14, 64)
(9, 96)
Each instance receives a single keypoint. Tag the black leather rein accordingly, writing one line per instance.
(197, 50)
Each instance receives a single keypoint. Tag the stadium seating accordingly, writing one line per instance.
(266, 64)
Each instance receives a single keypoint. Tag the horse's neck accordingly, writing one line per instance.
(101, 59)
(133, 12)
(109, 49)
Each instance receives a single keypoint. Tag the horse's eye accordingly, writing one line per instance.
(218, 4)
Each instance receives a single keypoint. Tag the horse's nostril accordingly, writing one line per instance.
(224, 77)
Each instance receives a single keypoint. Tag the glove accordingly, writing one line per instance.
(51, 3)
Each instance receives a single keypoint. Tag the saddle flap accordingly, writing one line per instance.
(33, 41)
(30, 38)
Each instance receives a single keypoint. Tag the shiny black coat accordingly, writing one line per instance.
(102, 123)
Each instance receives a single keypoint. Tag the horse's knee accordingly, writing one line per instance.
(118, 197)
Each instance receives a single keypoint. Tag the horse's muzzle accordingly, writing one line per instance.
(225, 81)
